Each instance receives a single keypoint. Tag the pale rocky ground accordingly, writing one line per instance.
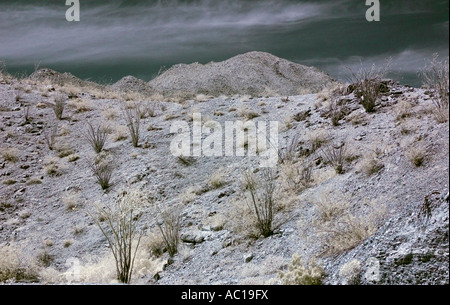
(408, 246)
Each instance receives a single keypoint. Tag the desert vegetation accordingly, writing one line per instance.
(435, 76)
(119, 223)
(350, 161)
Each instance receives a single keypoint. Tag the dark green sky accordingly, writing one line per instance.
(119, 38)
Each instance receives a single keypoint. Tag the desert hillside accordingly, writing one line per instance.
(358, 195)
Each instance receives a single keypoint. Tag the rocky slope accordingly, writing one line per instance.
(392, 207)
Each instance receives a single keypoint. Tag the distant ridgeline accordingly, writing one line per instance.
(253, 73)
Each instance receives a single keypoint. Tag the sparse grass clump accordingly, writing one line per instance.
(110, 114)
(154, 243)
(18, 96)
(247, 113)
(73, 158)
(371, 165)
(120, 133)
(9, 181)
(25, 213)
(133, 120)
(336, 227)
(10, 154)
(102, 167)
(189, 194)
(80, 105)
(186, 160)
(50, 136)
(53, 167)
(217, 180)
(59, 105)
(145, 109)
(70, 201)
(337, 109)
(67, 243)
(417, 154)
(403, 110)
(289, 154)
(34, 181)
(317, 138)
(63, 149)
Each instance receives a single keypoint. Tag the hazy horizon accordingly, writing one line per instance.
(119, 38)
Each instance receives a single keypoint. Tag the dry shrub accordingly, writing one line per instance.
(168, 221)
(316, 139)
(73, 158)
(255, 273)
(101, 269)
(335, 228)
(351, 272)
(120, 133)
(9, 181)
(145, 109)
(296, 176)
(110, 114)
(34, 181)
(154, 243)
(435, 75)
(301, 273)
(403, 110)
(336, 154)
(71, 90)
(16, 265)
(357, 118)
(289, 154)
(262, 205)
(121, 228)
(50, 136)
(186, 160)
(96, 136)
(337, 109)
(59, 105)
(70, 200)
(189, 195)
(367, 84)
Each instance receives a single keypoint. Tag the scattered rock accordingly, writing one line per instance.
(248, 257)
(193, 237)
